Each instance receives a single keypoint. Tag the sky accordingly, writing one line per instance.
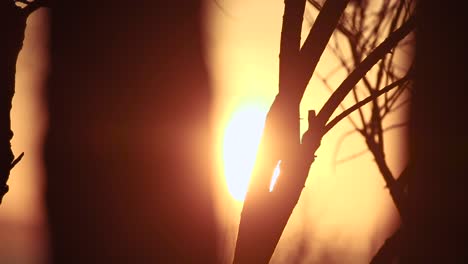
(344, 212)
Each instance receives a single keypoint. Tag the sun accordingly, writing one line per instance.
(241, 140)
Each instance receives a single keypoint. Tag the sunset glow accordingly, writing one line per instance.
(241, 139)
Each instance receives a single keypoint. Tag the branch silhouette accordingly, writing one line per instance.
(391, 247)
(280, 140)
(373, 131)
(340, 27)
(361, 70)
(317, 40)
(257, 238)
(374, 96)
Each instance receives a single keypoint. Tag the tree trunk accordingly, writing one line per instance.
(438, 138)
(12, 26)
(127, 151)
(265, 214)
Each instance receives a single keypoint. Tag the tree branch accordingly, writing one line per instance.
(395, 126)
(316, 41)
(324, 81)
(290, 42)
(389, 250)
(341, 27)
(348, 111)
(340, 141)
(361, 70)
(353, 156)
(18, 159)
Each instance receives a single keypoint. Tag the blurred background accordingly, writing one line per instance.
(345, 212)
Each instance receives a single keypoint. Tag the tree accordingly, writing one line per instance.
(127, 151)
(266, 213)
(437, 136)
(360, 29)
(13, 16)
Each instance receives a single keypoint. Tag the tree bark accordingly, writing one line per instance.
(12, 26)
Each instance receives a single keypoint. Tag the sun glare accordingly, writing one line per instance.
(241, 140)
(276, 173)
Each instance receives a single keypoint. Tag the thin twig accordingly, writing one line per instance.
(353, 156)
(348, 111)
(353, 123)
(18, 159)
(340, 142)
(361, 70)
(391, 127)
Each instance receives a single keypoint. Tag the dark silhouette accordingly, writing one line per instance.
(127, 151)
(12, 25)
(361, 27)
(437, 219)
(266, 213)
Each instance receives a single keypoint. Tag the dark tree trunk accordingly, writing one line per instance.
(438, 138)
(127, 152)
(264, 213)
(12, 26)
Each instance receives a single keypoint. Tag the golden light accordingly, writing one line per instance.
(276, 173)
(241, 140)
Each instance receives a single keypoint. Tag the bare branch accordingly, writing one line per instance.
(390, 249)
(393, 99)
(290, 41)
(340, 142)
(18, 159)
(316, 41)
(395, 126)
(361, 114)
(394, 108)
(291, 28)
(348, 111)
(223, 10)
(341, 27)
(341, 105)
(361, 70)
(353, 156)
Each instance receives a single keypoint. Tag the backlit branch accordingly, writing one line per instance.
(348, 111)
(353, 156)
(317, 40)
(340, 26)
(290, 42)
(324, 81)
(361, 70)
